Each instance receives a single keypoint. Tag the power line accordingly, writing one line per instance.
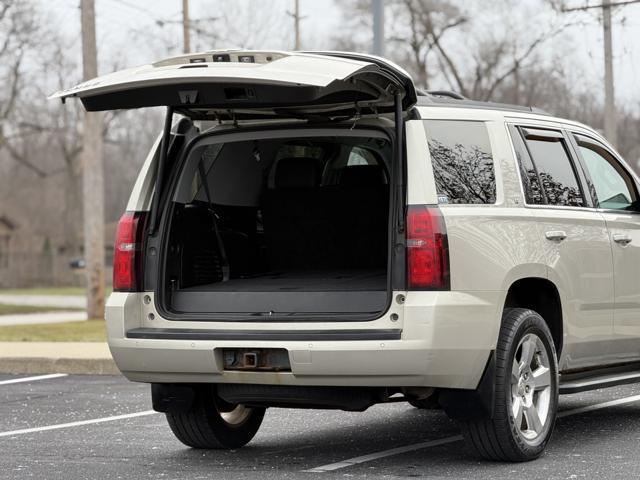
(610, 123)
(163, 22)
(135, 7)
(603, 5)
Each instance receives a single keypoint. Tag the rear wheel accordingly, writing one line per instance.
(526, 392)
(211, 423)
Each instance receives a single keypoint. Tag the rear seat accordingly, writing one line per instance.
(296, 223)
(339, 226)
(360, 204)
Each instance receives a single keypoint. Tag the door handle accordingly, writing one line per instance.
(622, 239)
(556, 235)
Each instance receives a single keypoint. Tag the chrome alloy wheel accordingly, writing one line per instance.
(531, 388)
(237, 416)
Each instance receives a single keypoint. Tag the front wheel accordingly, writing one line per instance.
(526, 392)
(211, 423)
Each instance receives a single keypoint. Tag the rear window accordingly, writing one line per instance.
(300, 151)
(462, 161)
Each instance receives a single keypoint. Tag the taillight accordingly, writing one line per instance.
(127, 254)
(427, 249)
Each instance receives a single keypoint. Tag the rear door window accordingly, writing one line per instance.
(550, 166)
(614, 186)
(462, 161)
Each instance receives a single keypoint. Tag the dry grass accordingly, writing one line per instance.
(6, 309)
(84, 331)
(47, 291)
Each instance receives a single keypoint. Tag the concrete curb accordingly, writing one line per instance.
(58, 301)
(37, 365)
(42, 318)
(56, 357)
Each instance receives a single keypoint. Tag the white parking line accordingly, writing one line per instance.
(598, 406)
(384, 453)
(76, 424)
(33, 379)
(456, 438)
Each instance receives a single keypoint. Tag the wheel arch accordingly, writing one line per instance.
(542, 296)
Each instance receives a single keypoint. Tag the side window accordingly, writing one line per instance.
(360, 156)
(554, 168)
(528, 173)
(462, 161)
(614, 186)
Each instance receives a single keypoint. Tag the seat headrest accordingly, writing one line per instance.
(362, 176)
(299, 172)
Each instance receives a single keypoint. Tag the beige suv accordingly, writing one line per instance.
(309, 231)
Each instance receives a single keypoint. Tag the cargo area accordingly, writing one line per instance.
(280, 225)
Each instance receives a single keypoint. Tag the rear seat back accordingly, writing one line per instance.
(296, 224)
(337, 226)
(360, 204)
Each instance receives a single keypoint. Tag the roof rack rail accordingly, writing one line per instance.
(446, 93)
(431, 99)
(539, 111)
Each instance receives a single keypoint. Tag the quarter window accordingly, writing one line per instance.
(554, 168)
(462, 161)
(613, 185)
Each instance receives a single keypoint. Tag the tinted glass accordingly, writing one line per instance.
(613, 185)
(462, 161)
(528, 174)
(360, 156)
(558, 178)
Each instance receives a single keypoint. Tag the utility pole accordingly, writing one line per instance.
(610, 121)
(378, 27)
(186, 28)
(296, 23)
(92, 172)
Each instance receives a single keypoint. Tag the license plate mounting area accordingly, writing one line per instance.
(256, 359)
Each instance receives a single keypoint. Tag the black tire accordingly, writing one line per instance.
(500, 438)
(430, 403)
(210, 423)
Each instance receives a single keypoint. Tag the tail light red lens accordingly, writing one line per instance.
(427, 249)
(127, 256)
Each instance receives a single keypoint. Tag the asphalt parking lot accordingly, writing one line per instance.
(94, 427)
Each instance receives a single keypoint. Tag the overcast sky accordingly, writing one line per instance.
(128, 33)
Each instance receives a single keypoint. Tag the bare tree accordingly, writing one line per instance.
(441, 41)
(17, 35)
(428, 22)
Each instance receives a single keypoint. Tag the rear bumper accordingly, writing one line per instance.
(445, 339)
